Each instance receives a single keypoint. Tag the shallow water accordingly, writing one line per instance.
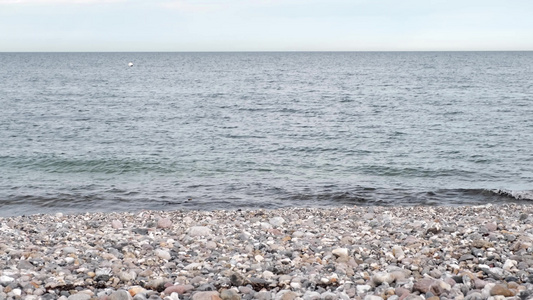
(85, 132)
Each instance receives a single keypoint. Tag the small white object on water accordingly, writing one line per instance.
(130, 64)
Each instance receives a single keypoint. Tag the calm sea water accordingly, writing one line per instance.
(85, 132)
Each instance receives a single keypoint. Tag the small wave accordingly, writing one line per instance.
(79, 165)
(518, 195)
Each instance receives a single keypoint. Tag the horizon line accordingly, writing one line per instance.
(265, 51)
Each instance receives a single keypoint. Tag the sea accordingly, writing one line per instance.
(87, 132)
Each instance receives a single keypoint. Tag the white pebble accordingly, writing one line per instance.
(162, 254)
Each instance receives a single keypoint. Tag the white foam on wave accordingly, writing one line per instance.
(519, 195)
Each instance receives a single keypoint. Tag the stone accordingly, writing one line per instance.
(180, 289)
(5, 280)
(311, 295)
(264, 295)
(199, 231)
(509, 264)
(491, 226)
(116, 224)
(164, 223)
(210, 295)
(329, 296)
(207, 287)
(134, 290)
(229, 294)
(372, 297)
(381, 277)
(500, 289)
(119, 295)
(25, 265)
(466, 257)
(79, 296)
(398, 253)
(423, 285)
(286, 295)
(276, 221)
(363, 288)
(163, 254)
(439, 287)
(474, 296)
(340, 252)
(237, 279)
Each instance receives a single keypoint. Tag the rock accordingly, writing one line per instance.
(276, 221)
(363, 288)
(329, 296)
(245, 290)
(509, 263)
(5, 280)
(164, 223)
(173, 296)
(157, 284)
(163, 254)
(263, 295)
(126, 276)
(79, 296)
(435, 273)
(199, 231)
(372, 297)
(500, 289)
(491, 226)
(466, 257)
(211, 295)
(134, 290)
(229, 294)
(237, 279)
(206, 287)
(119, 295)
(286, 295)
(211, 245)
(180, 289)
(340, 252)
(474, 296)
(381, 277)
(398, 253)
(25, 265)
(479, 283)
(116, 224)
(439, 287)
(423, 285)
(311, 295)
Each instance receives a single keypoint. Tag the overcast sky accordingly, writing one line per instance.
(265, 25)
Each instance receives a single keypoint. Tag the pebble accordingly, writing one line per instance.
(164, 223)
(163, 254)
(116, 224)
(229, 294)
(119, 295)
(79, 296)
(276, 221)
(199, 231)
(468, 252)
(211, 295)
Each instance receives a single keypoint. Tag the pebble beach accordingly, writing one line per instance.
(371, 253)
